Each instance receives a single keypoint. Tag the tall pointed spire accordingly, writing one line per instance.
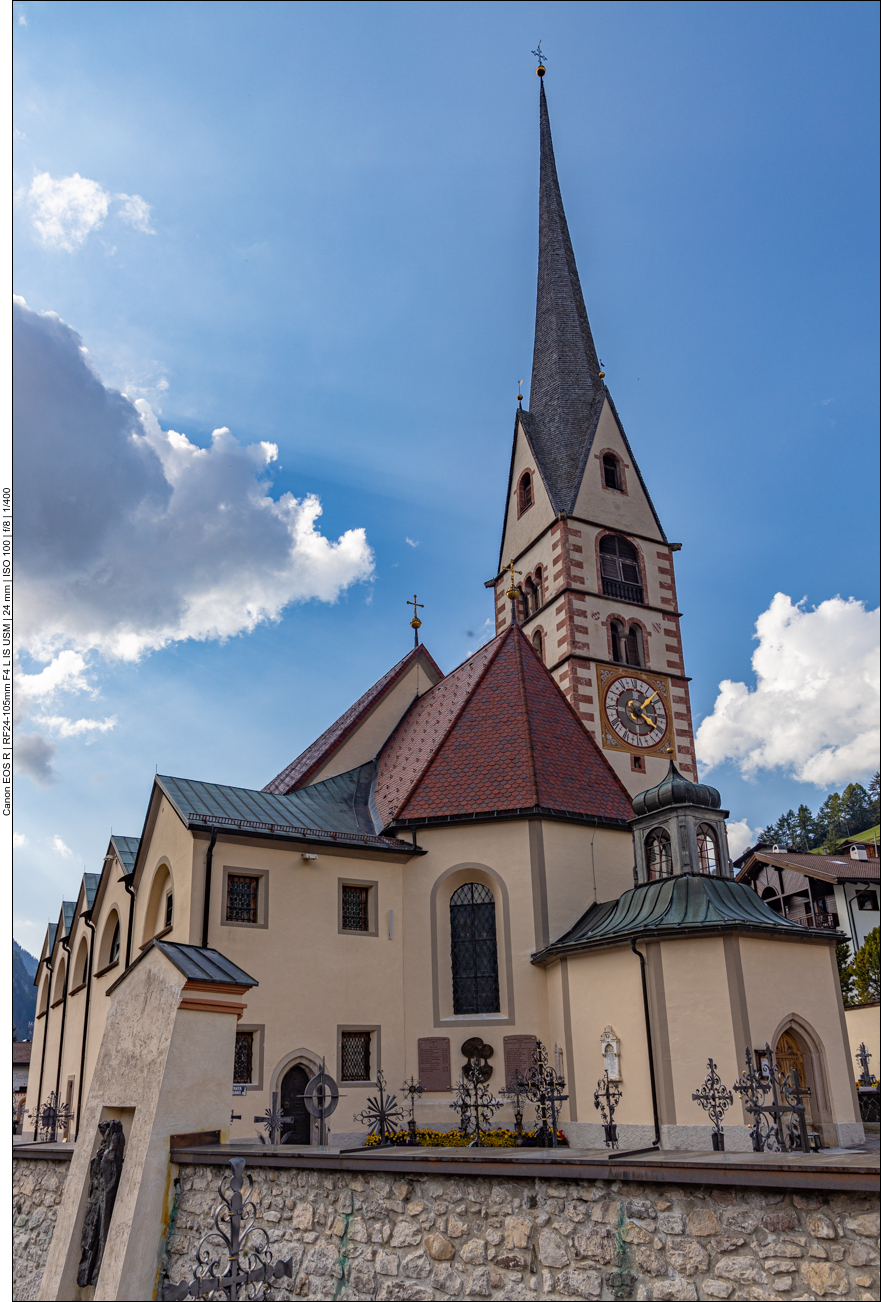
(567, 390)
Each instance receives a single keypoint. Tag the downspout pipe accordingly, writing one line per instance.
(127, 883)
(648, 1040)
(206, 910)
(87, 919)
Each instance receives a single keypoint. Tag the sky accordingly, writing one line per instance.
(276, 265)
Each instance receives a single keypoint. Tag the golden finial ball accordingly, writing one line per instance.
(602, 375)
(415, 623)
(540, 70)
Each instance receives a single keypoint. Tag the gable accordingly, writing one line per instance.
(631, 511)
(357, 736)
(520, 530)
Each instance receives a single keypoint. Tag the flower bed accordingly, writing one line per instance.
(456, 1139)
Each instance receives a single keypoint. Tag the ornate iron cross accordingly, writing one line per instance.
(544, 1088)
(866, 1078)
(383, 1113)
(275, 1122)
(412, 1088)
(49, 1118)
(233, 1227)
(606, 1098)
(769, 1131)
(715, 1100)
(517, 1089)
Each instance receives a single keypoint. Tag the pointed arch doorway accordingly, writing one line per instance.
(293, 1085)
(789, 1054)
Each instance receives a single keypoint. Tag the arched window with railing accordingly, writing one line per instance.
(619, 569)
(473, 951)
(525, 495)
(658, 855)
(706, 849)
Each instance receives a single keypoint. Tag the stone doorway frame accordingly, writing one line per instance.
(815, 1070)
(311, 1062)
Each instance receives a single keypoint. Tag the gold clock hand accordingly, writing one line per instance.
(647, 699)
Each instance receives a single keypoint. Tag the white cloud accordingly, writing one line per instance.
(60, 848)
(741, 837)
(411, 542)
(135, 211)
(130, 537)
(813, 712)
(18, 840)
(74, 727)
(32, 755)
(67, 210)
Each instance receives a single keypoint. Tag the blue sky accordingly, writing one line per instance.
(316, 225)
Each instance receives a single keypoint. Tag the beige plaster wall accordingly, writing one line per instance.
(172, 844)
(583, 865)
(864, 1027)
(519, 533)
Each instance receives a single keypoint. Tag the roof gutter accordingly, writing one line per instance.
(552, 952)
(49, 968)
(206, 907)
(87, 919)
(127, 883)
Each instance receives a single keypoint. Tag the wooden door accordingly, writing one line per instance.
(293, 1105)
(789, 1054)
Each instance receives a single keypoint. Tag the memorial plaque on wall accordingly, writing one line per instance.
(518, 1057)
(434, 1062)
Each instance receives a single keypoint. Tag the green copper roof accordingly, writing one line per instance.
(675, 906)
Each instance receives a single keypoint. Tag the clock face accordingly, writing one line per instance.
(636, 712)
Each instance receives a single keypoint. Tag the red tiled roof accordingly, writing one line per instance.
(304, 767)
(496, 734)
(834, 867)
(21, 1054)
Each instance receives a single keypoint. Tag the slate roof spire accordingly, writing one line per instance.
(567, 390)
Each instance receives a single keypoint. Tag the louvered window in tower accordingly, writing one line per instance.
(473, 950)
(619, 567)
(524, 493)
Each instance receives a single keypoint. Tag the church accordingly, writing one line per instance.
(519, 849)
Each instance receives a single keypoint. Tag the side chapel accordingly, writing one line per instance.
(519, 848)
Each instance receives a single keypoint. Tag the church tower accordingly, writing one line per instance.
(593, 569)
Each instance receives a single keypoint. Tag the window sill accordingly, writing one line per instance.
(57, 1003)
(108, 968)
(76, 989)
(158, 936)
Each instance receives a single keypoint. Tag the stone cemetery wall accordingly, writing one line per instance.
(37, 1187)
(441, 1237)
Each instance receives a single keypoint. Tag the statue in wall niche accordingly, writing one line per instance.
(610, 1048)
(105, 1170)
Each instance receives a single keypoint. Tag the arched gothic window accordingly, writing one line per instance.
(538, 644)
(524, 493)
(529, 597)
(627, 646)
(706, 849)
(658, 855)
(619, 568)
(539, 598)
(611, 471)
(473, 949)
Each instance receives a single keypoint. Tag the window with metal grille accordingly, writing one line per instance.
(169, 909)
(611, 473)
(619, 568)
(241, 898)
(659, 855)
(355, 1055)
(473, 950)
(356, 912)
(243, 1062)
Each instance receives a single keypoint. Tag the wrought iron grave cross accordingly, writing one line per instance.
(606, 1098)
(715, 1100)
(383, 1113)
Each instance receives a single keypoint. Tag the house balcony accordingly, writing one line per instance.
(824, 921)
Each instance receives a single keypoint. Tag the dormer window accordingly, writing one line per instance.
(525, 497)
(611, 471)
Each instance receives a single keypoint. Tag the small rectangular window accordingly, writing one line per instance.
(356, 913)
(355, 1055)
(243, 1064)
(868, 900)
(241, 898)
(169, 909)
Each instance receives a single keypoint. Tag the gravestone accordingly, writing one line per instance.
(518, 1057)
(434, 1062)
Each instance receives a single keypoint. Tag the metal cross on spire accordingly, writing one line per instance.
(415, 622)
(538, 53)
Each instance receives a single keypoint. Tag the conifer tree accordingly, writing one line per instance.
(866, 969)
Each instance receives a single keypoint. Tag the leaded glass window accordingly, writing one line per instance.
(241, 898)
(355, 1055)
(356, 914)
(473, 950)
(659, 855)
(243, 1063)
(114, 944)
(706, 849)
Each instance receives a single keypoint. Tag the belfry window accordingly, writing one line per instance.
(627, 644)
(611, 471)
(473, 950)
(658, 855)
(538, 644)
(619, 568)
(524, 493)
(706, 849)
